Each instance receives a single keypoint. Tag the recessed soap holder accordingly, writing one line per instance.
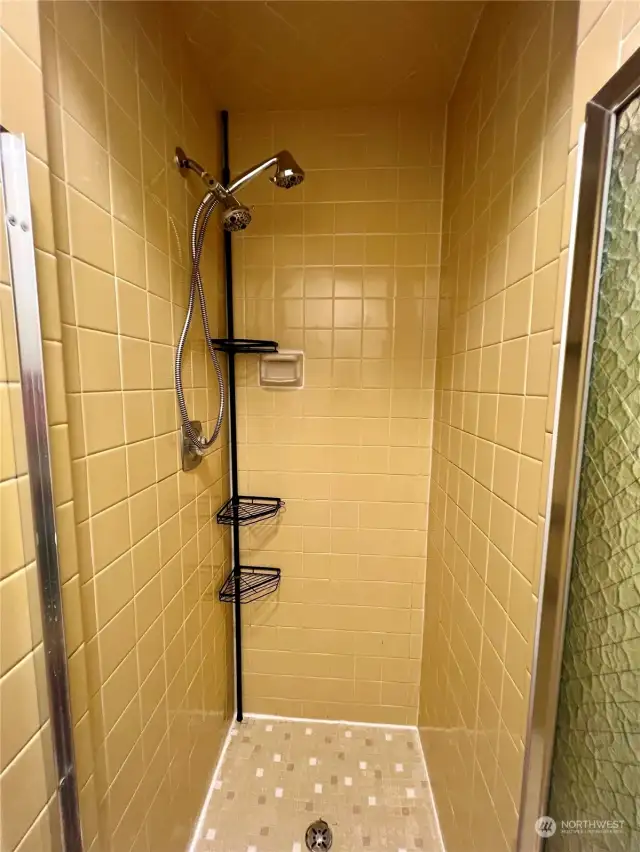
(283, 369)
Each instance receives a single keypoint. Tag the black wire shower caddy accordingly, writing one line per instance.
(255, 583)
(244, 583)
(244, 510)
(243, 345)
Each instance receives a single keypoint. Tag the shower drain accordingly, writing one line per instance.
(319, 836)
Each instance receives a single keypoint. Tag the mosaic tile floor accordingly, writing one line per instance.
(278, 776)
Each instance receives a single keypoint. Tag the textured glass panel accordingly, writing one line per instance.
(596, 772)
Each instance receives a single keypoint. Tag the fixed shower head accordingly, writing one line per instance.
(288, 172)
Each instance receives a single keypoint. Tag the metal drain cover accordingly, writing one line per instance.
(319, 836)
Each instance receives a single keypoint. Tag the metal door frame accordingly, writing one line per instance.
(585, 255)
(22, 268)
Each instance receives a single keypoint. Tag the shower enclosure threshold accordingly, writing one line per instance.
(277, 776)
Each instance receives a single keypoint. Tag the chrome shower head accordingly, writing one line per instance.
(288, 172)
(235, 216)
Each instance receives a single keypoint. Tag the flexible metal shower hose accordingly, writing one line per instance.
(200, 443)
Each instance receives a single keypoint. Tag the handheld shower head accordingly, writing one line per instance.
(288, 172)
(235, 216)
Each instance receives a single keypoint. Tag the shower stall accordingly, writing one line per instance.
(426, 348)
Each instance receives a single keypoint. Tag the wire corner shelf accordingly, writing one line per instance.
(244, 510)
(244, 345)
(255, 583)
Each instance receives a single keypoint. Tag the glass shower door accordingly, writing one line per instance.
(595, 789)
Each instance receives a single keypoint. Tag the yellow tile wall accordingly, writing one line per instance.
(28, 806)
(120, 94)
(608, 34)
(505, 233)
(344, 267)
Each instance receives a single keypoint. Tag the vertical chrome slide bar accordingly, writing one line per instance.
(22, 264)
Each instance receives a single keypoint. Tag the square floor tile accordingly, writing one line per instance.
(280, 776)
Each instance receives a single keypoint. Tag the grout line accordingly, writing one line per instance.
(330, 721)
(431, 796)
(207, 801)
(472, 37)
